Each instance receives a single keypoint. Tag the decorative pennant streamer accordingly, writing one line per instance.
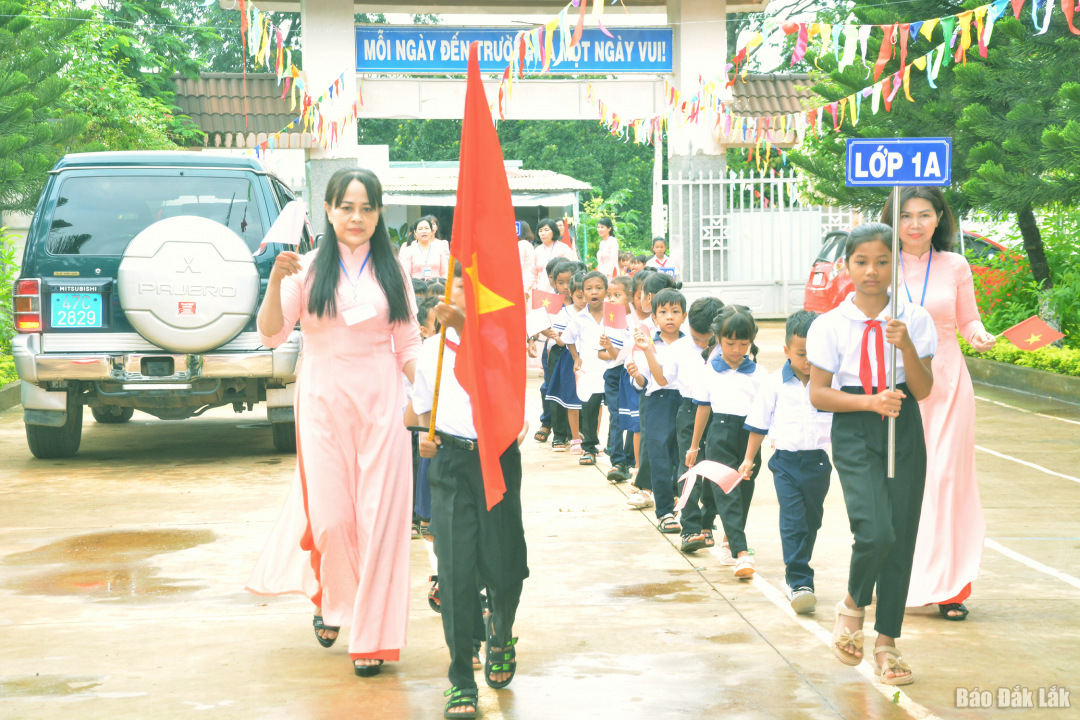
(851, 39)
(885, 54)
(864, 38)
(927, 30)
(904, 28)
(965, 19)
(980, 24)
(1067, 7)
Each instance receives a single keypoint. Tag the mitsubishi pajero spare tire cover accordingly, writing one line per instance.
(188, 284)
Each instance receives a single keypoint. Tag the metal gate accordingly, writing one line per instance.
(748, 239)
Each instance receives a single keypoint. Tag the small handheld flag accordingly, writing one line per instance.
(552, 302)
(615, 316)
(288, 227)
(1032, 334)
(725, 477)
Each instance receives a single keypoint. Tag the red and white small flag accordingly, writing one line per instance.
(289, 226)
(1032, 334)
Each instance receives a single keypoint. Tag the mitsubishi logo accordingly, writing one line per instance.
(188, 267)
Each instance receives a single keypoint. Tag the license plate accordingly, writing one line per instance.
(76, 310)
(819, 279)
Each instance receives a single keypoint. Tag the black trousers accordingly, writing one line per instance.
(659, 433)
(643, 479)
(589, 423)
(692, 517)
(883, 512)
(474, 544)
(560, 421)
(727, 445)
(802, 482)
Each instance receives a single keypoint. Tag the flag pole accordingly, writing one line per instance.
(442, 348)
(892, 314)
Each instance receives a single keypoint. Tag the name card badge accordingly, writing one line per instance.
(358, 314)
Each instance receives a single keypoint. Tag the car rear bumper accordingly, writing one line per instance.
(35, 366)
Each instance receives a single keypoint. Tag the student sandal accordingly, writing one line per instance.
(558, 445)
(710, 541)
(433, 594)
(669, 525)
(502, 661)
(841, 637)
(587, 459)
(320, 625)
(542, 434)
(458, 698)
(894, 663)
(367, 670)
(953, 607)
(575, 447)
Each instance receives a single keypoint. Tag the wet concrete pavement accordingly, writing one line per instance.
(122, 573)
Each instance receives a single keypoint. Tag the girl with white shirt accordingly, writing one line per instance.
(725, 390)
(846, 349)
(661, 261)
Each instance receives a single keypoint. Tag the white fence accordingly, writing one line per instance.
(748, 239)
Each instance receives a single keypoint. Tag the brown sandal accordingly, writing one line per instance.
(842, 638)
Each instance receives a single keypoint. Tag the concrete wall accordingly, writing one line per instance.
(18, 224)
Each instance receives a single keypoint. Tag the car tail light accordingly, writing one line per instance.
(27, 306)
(819, 279)
(836, 269)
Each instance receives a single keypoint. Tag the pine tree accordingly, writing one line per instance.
(1012, 117)
(30, 142)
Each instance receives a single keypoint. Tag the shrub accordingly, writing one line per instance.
(1063, 361)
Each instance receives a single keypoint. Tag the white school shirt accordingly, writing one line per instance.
(619, 339)
(663, 357)
(728, 390)
(834, 342)
(563, 319)
(782, 410)
(683, 365)
(668, 265)
(584, 334)
(455, 415)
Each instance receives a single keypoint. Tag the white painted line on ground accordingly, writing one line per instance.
(1035, 564)
(1029, 412)
(1040, 468)
(778, 599)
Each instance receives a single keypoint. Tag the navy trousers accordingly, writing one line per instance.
(663, 448)
(727, 445)
(545, 414)
(802, 481)
(700, 510)
(620, 444)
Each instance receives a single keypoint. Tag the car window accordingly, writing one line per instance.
(833, 247)
(101, 215)
(283, 194)
(979, 250)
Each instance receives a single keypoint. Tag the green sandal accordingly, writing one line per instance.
(587, 459)
(459, 697)
(501, 661)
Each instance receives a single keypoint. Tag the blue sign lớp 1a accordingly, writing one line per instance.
(898, 161)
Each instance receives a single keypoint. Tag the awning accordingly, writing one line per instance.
(561, 199)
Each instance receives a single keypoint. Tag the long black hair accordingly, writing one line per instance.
(942, 240)
(606, 222)
(326, 270)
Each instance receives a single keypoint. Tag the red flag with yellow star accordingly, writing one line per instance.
(491, 359)
(1032, 334)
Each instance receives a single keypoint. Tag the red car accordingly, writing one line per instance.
(829, 283)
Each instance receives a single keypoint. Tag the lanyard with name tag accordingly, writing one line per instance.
(356, 313)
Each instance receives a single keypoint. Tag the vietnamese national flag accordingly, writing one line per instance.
(615, 316)
(491, 359)
(552, 302)
(1032, 334)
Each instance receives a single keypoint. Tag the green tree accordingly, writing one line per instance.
(1015, 110)
(31, 59)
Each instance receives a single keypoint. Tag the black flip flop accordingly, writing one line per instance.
(953, 607)
(367, 670)
(320, 625)
(433, 595)
(459, 697)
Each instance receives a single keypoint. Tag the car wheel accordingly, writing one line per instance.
(285, 437)
(112, 415)
(50, 443)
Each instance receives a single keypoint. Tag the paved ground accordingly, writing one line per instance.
(122, 571)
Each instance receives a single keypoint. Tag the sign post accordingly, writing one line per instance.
(897, 162)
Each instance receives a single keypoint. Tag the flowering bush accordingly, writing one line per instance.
(1063, 361)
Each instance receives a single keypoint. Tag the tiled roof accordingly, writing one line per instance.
(445, 180)
(768, 95)
(216, 102)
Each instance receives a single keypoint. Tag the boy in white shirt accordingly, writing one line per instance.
(799, 464)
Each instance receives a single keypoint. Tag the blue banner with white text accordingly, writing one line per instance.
(427, 49)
